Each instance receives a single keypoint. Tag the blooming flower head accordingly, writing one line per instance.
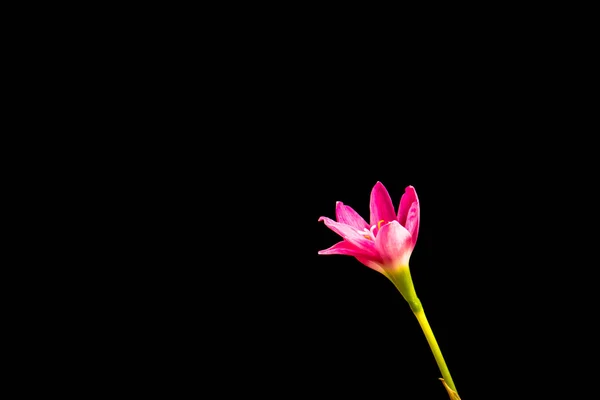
(387, 241)
(385, 244)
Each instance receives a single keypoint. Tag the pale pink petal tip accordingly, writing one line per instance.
(381, 205)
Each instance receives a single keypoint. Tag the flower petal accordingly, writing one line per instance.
(394, 244)
(345, 248)
(409, 212)
(372, 264)
(353, 236)
(346, 215)
(381, 205)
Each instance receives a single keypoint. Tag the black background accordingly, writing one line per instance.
(198, 158)
(496, 266)
(232, 294)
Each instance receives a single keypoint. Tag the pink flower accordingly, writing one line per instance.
(387, 241)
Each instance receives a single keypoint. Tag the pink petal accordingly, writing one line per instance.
(353, 236)
(371, 264)
(346, 215)
(394, 244)
(409, 212)
(347, 249)
(381, 205)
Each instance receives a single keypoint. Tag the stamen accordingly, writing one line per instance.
(367, 234)
(372, 233)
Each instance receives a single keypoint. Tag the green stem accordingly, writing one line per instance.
(402, 279)
(435, 348)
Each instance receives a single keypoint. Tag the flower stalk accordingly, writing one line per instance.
(435, 349)
(402, 279)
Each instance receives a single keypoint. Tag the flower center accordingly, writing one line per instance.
(369, 233)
